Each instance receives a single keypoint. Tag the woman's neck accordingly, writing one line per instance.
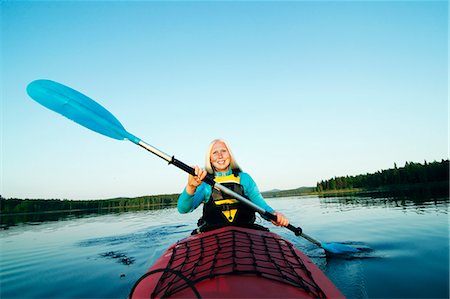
(223, 173)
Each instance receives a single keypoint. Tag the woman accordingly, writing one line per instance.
(219, 208)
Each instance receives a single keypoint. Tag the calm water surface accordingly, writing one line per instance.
(101, 256)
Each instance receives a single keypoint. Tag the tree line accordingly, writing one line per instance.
(15, 205)
(411, 174)
(287, 193)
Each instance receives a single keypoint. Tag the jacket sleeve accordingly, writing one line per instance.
(185, 201)
(189, 202)
(252, 192)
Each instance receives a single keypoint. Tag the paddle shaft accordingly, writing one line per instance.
(210, 181)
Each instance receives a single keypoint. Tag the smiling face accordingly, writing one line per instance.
(220, 157)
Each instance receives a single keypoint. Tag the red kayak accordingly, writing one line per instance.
(234, 262)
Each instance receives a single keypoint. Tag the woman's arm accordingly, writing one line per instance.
(189, 202)
(193, 194)
(252, 192)
(255, 196)
(185, 202)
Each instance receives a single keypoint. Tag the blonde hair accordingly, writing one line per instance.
(233, 164)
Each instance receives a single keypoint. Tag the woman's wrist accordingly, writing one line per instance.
(190, 189)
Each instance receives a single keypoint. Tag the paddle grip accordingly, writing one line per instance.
(208, 179)
(297, 230)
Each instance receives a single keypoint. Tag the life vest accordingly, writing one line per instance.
(221, 209)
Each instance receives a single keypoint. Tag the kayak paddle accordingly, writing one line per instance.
(88, 113)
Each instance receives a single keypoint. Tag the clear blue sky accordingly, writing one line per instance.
(303, 91)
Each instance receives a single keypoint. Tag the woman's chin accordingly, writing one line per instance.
(220, 168)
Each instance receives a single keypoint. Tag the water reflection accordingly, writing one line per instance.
(9, 220)
(409, 202)
(423, 200)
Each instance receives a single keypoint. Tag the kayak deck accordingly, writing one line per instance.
(234, 262)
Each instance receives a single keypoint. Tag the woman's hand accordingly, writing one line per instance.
(281, 220)
(195, 180)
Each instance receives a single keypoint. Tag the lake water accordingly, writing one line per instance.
(101, 256)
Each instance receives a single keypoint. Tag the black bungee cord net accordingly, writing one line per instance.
(207, 257)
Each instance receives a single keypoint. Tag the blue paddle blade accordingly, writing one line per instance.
(78, 107)
(336, 248)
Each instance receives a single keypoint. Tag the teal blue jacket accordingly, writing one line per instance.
(188, 203)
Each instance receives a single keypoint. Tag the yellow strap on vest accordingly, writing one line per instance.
(227, 179)
(225, 201)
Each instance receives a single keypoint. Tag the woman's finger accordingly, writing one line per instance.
(281, 220)
(196, 170)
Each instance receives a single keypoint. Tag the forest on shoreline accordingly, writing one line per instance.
(411, 174)
(434, 175)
